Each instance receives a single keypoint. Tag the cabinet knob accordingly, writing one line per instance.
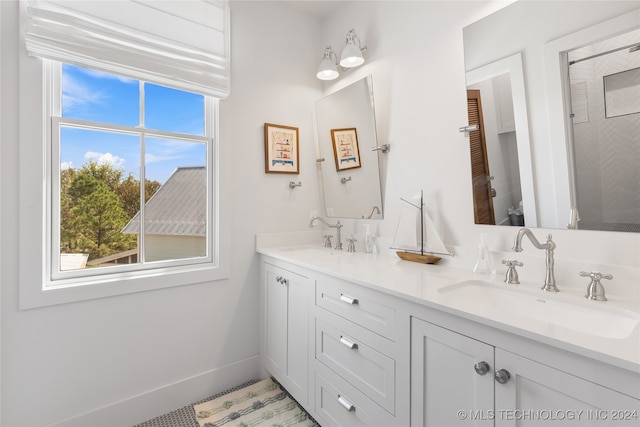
(346, 404)
(482, 368)
(502, 376)
(281, 280)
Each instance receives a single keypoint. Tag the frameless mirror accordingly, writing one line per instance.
(572, 109)
(347, 163)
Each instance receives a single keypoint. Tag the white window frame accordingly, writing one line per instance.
(39, 82)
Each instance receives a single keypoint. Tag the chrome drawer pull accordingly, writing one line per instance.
(348, 299)
(346, 404)
(346, 341)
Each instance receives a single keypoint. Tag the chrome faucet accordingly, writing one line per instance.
(337, 226)
(548, 246)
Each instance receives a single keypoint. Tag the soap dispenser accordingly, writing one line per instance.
(484, 266)
(369, 245)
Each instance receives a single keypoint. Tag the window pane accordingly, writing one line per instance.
(99, 96)
(176, 217)
(173, 110)
(99, 195)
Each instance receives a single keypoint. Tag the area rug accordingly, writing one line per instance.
(261, 404)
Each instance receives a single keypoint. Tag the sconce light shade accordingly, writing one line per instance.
(328, 68)
(352, 52)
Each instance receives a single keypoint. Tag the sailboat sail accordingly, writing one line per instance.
(432, 241)
(412, 222)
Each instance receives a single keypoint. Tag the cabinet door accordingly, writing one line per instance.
(504, 103)
(275, 321)
(286, 333)
(446, 390)
(299, 289)
(539, 395)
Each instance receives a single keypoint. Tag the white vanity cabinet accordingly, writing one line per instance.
(285, 344)
(355, 354)
(457, 380)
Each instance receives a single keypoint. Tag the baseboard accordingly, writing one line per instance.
(158, 401)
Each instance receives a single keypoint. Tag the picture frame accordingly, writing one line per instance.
(281, 148)
(346, 151)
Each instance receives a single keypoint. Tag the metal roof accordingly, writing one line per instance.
(178, 208)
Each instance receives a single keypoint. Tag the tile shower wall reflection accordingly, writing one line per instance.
(606, 126)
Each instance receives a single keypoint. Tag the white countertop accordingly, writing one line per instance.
(422, 284)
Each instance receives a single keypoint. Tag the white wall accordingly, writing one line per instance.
(60, 361)
(120, 360)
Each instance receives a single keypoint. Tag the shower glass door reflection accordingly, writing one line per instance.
(605, 99)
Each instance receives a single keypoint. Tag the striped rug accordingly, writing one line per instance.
(261, 404)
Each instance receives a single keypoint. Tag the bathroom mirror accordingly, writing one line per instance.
(347, 164)
(545, 34)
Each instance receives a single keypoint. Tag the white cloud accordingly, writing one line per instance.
(75, 94)
(104, 158)
(66, 165)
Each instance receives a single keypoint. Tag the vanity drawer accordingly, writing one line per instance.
(341, 405)
(352, 353)
(357, 304)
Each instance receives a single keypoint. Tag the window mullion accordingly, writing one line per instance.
(141, 237)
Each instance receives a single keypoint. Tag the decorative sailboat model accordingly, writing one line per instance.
(416, 237)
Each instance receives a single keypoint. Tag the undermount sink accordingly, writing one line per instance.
(565, 311)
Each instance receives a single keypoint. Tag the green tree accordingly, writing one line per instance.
(129, 192)
(68, 238)
(98, 219)
(90, 174)
(95, 204)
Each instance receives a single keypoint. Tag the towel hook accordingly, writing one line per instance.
(293, 185)
(385, 148)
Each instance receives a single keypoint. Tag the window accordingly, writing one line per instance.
(129, 163)
(132, 197)
(122, 184)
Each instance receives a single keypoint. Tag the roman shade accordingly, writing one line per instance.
(181, 43)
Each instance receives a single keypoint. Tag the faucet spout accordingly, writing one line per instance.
(337, 226)
(548, 247)
(370, 214)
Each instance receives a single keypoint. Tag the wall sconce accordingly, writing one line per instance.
(351, 57)
(352, 54)
(328, 69)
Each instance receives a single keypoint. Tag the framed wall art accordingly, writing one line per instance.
(345, 148)
(281, 149)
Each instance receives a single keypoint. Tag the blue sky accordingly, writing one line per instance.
(102, 97)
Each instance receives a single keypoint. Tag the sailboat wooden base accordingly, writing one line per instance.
(416, 257)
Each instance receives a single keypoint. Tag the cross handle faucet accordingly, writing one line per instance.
(548, 246)
(337, 226)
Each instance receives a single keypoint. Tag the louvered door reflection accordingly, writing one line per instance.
(481, 181)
